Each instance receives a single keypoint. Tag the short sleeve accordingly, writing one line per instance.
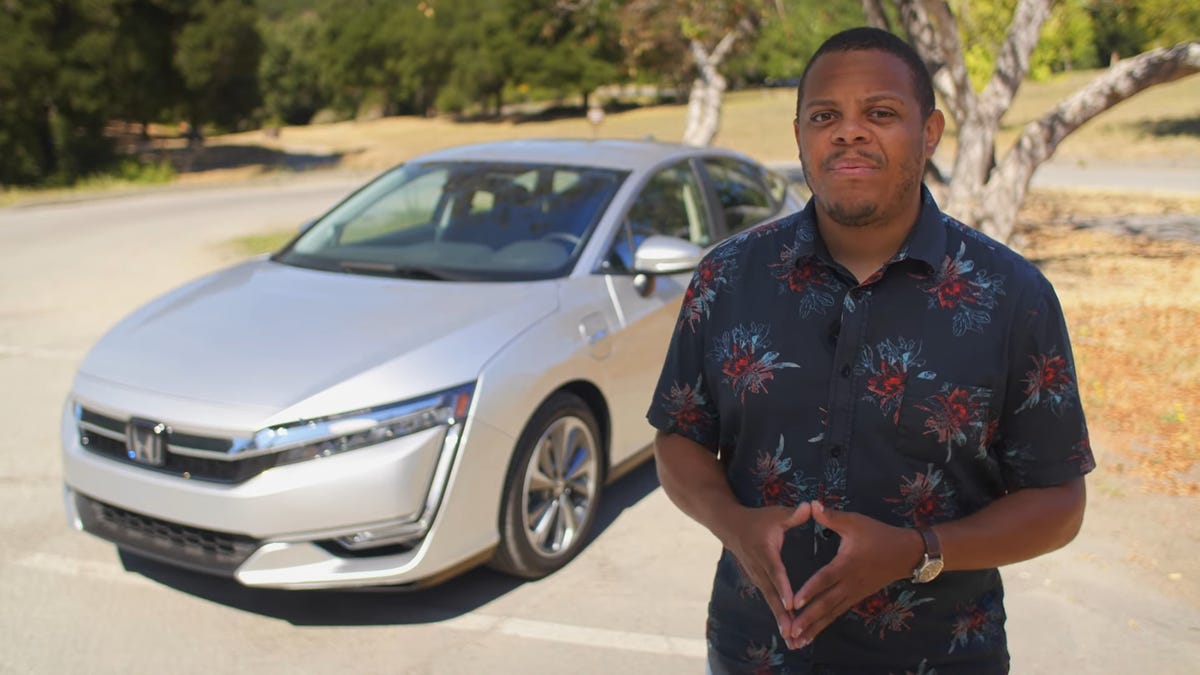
(682, 402)
(1042, 431)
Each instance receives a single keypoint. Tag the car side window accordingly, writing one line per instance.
(672, 204)
(745, 198)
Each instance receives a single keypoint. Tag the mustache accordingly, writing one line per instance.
(873, 158)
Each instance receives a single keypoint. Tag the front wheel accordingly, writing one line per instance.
(552, 490)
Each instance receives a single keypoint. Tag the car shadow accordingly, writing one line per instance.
(381, 606)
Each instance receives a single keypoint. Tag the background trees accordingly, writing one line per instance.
(70, 69)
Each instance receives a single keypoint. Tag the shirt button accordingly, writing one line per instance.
(845, 370)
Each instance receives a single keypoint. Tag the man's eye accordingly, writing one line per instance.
(821, 117)
(882, 114)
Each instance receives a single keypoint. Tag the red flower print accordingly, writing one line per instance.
(950, 291)
(1050, 382)
(953, 413)
(882, 612)
(739, 364)
(925, 499)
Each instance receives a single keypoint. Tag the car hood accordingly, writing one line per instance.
(304, 343)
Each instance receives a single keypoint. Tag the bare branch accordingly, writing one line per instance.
(933, 31)
(876, 17)
(1041, 138)
(1012, 63)
(718, 53)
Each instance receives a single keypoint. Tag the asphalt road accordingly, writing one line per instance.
(1125, 597)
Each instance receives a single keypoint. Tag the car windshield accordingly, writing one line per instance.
(472, 221)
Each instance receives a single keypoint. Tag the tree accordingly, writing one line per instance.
(568, 47)
(788, 37)
(55, 89)
(986, 191)
(147, 86)
(289, 73)
(217, 54)
(660, 33)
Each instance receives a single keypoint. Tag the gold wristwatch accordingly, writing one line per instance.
(931, 565)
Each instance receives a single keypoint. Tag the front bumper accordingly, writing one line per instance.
(278, 529)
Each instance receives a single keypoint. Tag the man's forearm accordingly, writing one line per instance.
(695, 482)
(1019, 526)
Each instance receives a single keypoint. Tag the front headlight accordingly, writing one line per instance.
(311, 439)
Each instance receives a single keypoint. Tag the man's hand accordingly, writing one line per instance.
(755, 538)
(870, 556)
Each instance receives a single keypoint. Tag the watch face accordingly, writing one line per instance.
(928, 571)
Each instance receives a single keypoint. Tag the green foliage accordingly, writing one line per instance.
(129, 171)
(1128, 27)
(1066, 37)
(217, 54)
(290, 70)
(1067, 41)
(786, 41)
(54, 101)
(657, 34)
(568, 51)
(70, 67)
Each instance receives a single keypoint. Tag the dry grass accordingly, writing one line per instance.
(1133, 308)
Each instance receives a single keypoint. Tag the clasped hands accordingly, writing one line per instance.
(871, 555)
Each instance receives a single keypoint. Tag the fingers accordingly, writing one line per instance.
(783, 617)
(799, 516)
(824, 516)
(820, 582)
(818, 614)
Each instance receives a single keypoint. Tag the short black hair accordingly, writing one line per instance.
(866, 39)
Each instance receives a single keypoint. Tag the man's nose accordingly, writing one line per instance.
(849, 130)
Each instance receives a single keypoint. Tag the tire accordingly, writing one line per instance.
(552, 490)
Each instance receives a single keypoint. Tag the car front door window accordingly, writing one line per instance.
(672, 204)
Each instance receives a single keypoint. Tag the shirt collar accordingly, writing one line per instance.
(926, 242)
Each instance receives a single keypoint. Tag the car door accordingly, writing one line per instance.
(672, 202)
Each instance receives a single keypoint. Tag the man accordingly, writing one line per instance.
(871, 405)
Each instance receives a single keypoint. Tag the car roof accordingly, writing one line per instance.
(627, 155)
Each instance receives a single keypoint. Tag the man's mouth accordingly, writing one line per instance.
(857, 165)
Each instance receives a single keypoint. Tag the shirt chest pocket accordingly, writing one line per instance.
(941, 421)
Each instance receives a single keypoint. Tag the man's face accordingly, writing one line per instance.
(862, 138)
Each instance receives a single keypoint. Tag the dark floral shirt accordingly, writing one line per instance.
(919, 396)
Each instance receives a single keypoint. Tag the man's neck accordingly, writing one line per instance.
(864, 249)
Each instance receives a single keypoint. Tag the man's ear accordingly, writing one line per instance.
(935, 124)
(796, 133)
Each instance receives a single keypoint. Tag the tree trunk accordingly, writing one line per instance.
(707, 93)
(876, 17)
(1009, 182)
(987, 193)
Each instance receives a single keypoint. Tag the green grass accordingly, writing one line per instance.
(263, 242)
(128, 173)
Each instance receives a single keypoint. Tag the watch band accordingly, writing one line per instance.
(933, 547)
(931, 563)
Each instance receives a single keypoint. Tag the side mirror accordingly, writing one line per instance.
(660, 254)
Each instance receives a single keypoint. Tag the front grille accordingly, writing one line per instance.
(191, 547)
(105, 436)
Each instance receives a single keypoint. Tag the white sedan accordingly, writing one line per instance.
(442, 371)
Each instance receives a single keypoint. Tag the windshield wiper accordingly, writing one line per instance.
(391, 270)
